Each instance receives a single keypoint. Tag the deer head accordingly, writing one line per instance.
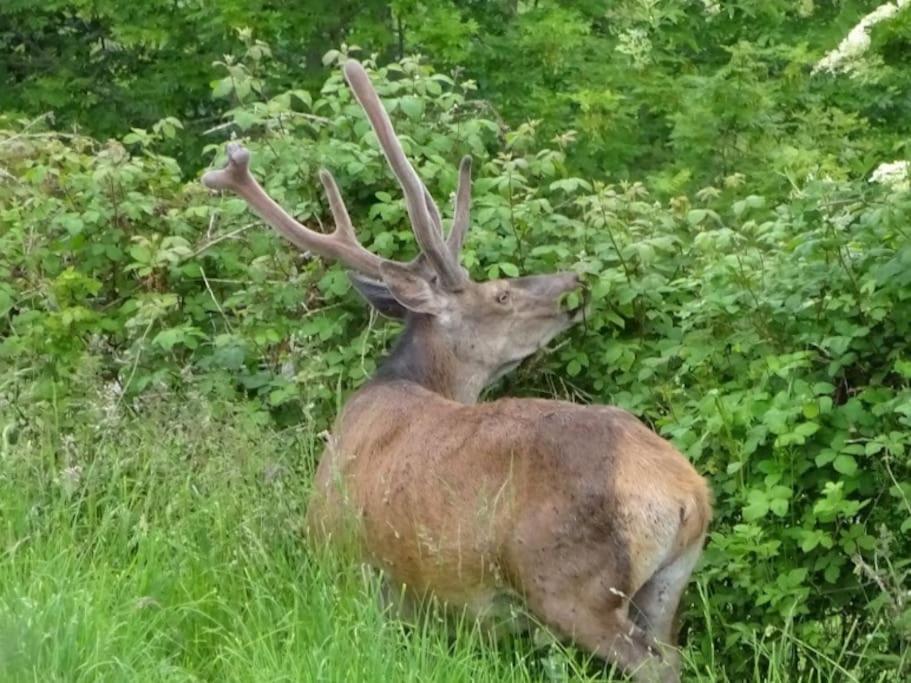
(464, 334)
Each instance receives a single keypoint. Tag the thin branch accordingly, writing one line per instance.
(215, 301)
(135, 361)
(220, 238)
(302, 115)
(30, 124)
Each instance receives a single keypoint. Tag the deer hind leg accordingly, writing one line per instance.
(596, 618)
(396, 601)
(654, 606)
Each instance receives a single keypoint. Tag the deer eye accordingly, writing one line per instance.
(503, 297)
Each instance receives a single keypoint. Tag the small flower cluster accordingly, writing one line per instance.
(895, 174)
(636, 44)
(847, 56)
(711, 7)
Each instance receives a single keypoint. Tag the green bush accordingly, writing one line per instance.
(681, 91)
(764, 331)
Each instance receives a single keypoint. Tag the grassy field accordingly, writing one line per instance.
(169, 546)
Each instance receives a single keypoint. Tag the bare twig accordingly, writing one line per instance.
(30, 124)
(220, 238)
(135, 361)
(298, 114)
(215, 301)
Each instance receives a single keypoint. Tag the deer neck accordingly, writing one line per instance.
(420, 356)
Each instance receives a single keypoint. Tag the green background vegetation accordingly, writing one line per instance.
(168, 366)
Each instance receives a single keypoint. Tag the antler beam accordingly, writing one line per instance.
(422, 210)
(462, 216)
(341, 244)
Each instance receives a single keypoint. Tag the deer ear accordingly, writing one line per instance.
(411, 288)
(378, 295)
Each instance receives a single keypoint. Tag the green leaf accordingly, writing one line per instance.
(903, 368)
(845, 464)
(141, 253)
(412, 106)
(873, 447)
(696, 216)
(806, 429)
(824, 457)
(245, 119)
(222, 88)
(779, 506)
(757, 507)
(167, 339)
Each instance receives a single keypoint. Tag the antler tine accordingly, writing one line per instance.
(341, 244)
(462, 216)
(428, 235)
(343, 224)
(432, 210)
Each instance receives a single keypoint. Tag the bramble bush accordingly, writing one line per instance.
(766, 334)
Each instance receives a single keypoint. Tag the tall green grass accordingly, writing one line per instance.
(169, 545)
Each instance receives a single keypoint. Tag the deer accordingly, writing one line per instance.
(578, 516)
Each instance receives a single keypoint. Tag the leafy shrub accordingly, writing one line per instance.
(680, 91)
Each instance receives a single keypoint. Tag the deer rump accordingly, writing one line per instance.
(564, 509)
(580, 513)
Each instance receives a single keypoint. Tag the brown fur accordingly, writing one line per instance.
(567, 507)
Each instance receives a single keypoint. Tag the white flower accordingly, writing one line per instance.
(111, 395)
(635, 43)
(895, 174)
(711, 7)
(847, 56)
(69, 479)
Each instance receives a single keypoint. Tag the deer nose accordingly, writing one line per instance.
(571, 280)
(565, 282)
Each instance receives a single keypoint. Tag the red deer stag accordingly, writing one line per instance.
(580, 514)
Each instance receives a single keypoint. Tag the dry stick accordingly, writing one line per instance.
(512, 216)
(196, 253)
(610, 233)
(302, 115)
(904, 498)
(6, 174)
(875, 575)
(215, 301)
(211, 225)
(235, 281)
(135, 361)
(370, 323)
(30, 124)
(220, 238)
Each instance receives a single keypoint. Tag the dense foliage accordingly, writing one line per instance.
(751, 286)
(682, 90)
